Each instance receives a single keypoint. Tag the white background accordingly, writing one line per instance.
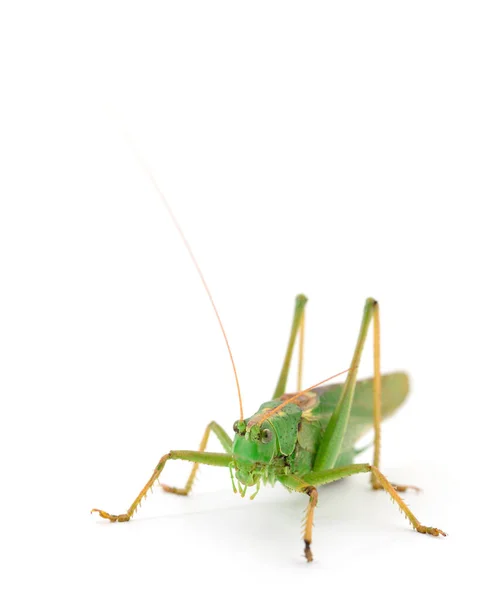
(325, 148)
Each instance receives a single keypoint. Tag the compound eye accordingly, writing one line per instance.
(240, 427)
(266, 436)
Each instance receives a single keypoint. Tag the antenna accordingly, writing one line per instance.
(196, 265)
(268, 414)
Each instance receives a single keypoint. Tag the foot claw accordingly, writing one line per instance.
(398, 487)
(308, 551)
(173, 490)
(111, 518)
(404, 488)
(430, 530)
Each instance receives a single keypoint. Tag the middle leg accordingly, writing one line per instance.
(323, 477)
(226, 442)
(308, 483)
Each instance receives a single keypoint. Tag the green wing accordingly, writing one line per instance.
(395, 387)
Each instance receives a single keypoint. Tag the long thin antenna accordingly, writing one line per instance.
(268, 414)
(196, 264)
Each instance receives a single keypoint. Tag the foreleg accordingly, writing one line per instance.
(204, 458)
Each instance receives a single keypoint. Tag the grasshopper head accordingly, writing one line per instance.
(254, 448)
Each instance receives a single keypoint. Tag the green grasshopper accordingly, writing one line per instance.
(305, 439)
